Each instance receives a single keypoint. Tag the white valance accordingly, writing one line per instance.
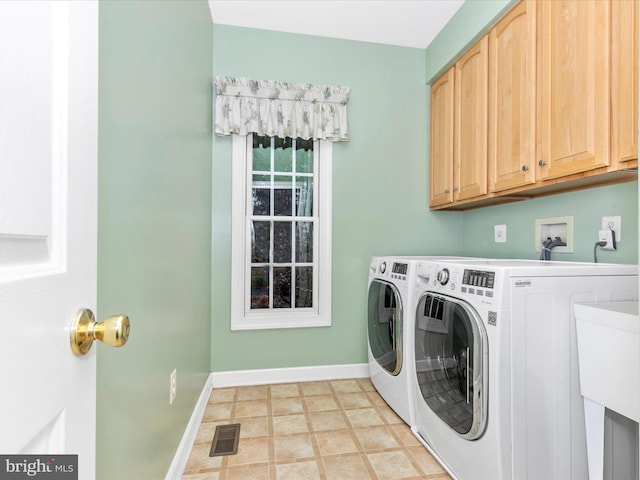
(281, 109)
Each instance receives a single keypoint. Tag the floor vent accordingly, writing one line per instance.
(225, 440)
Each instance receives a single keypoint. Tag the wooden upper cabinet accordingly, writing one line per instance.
(624, 83)
(471, 102)
(441, 139)
(574, 68)
(546, 102)
(512, 99)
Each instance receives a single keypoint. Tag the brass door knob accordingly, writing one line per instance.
(114, 331)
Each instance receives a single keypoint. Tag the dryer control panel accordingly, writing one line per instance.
(390, 269)
(400, 268)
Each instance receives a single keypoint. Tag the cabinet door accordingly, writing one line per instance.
(441, 139)
(512, 100)
(573, 118)
(624, 82)
(471, 101)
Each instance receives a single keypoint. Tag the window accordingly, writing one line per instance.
(281, 235)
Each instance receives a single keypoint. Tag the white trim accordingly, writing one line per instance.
(180, 459)
(325, 180)
(238, 182)
(239, 378)
(320, 316)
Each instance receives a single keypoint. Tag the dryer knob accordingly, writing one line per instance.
(383, 267)
(443, 276)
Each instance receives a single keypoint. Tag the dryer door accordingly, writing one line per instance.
(452, 362)
(385, 325)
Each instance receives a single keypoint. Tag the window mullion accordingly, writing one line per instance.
(293, 223)
(271, 262)
(272, 196)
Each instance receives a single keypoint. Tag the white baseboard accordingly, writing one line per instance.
(253, 377)
(286, 375)
(176, 469)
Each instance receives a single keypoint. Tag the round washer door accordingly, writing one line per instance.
(385, 325)
(452, 362)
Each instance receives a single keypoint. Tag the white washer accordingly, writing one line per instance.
(496, 382)
(390, 330)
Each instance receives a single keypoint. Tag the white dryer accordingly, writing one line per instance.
(389, 279)
(390, 330)
(496, 382)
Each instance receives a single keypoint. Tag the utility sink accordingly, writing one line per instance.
(609, 355)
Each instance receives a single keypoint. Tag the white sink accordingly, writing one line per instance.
(609, 355)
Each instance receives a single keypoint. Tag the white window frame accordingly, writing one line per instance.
(242, 317)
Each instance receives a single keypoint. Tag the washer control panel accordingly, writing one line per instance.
(471, 284)
(478, 282)
(443, 276)
(478, 278)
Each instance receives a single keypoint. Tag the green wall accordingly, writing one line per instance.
(587, 206)
(380, 184)
(154, 217)
(379, 187)
(467, 25)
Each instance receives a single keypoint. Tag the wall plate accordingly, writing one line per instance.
(613, 223)
(554, 227)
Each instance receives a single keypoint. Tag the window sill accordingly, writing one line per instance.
(273, 321)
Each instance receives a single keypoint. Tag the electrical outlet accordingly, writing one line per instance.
(613, 223)
(500, 233)
(173, 379)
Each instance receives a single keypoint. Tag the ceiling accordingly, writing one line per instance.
(406, 23)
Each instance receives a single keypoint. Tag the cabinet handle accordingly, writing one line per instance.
(525, 168)
(446, 190)
(542, 163)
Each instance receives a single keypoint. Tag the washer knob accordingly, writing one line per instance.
(383, 267)
(443, 276)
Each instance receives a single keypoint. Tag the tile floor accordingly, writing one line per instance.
(338, 429)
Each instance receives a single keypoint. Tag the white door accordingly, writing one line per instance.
(48, 225)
